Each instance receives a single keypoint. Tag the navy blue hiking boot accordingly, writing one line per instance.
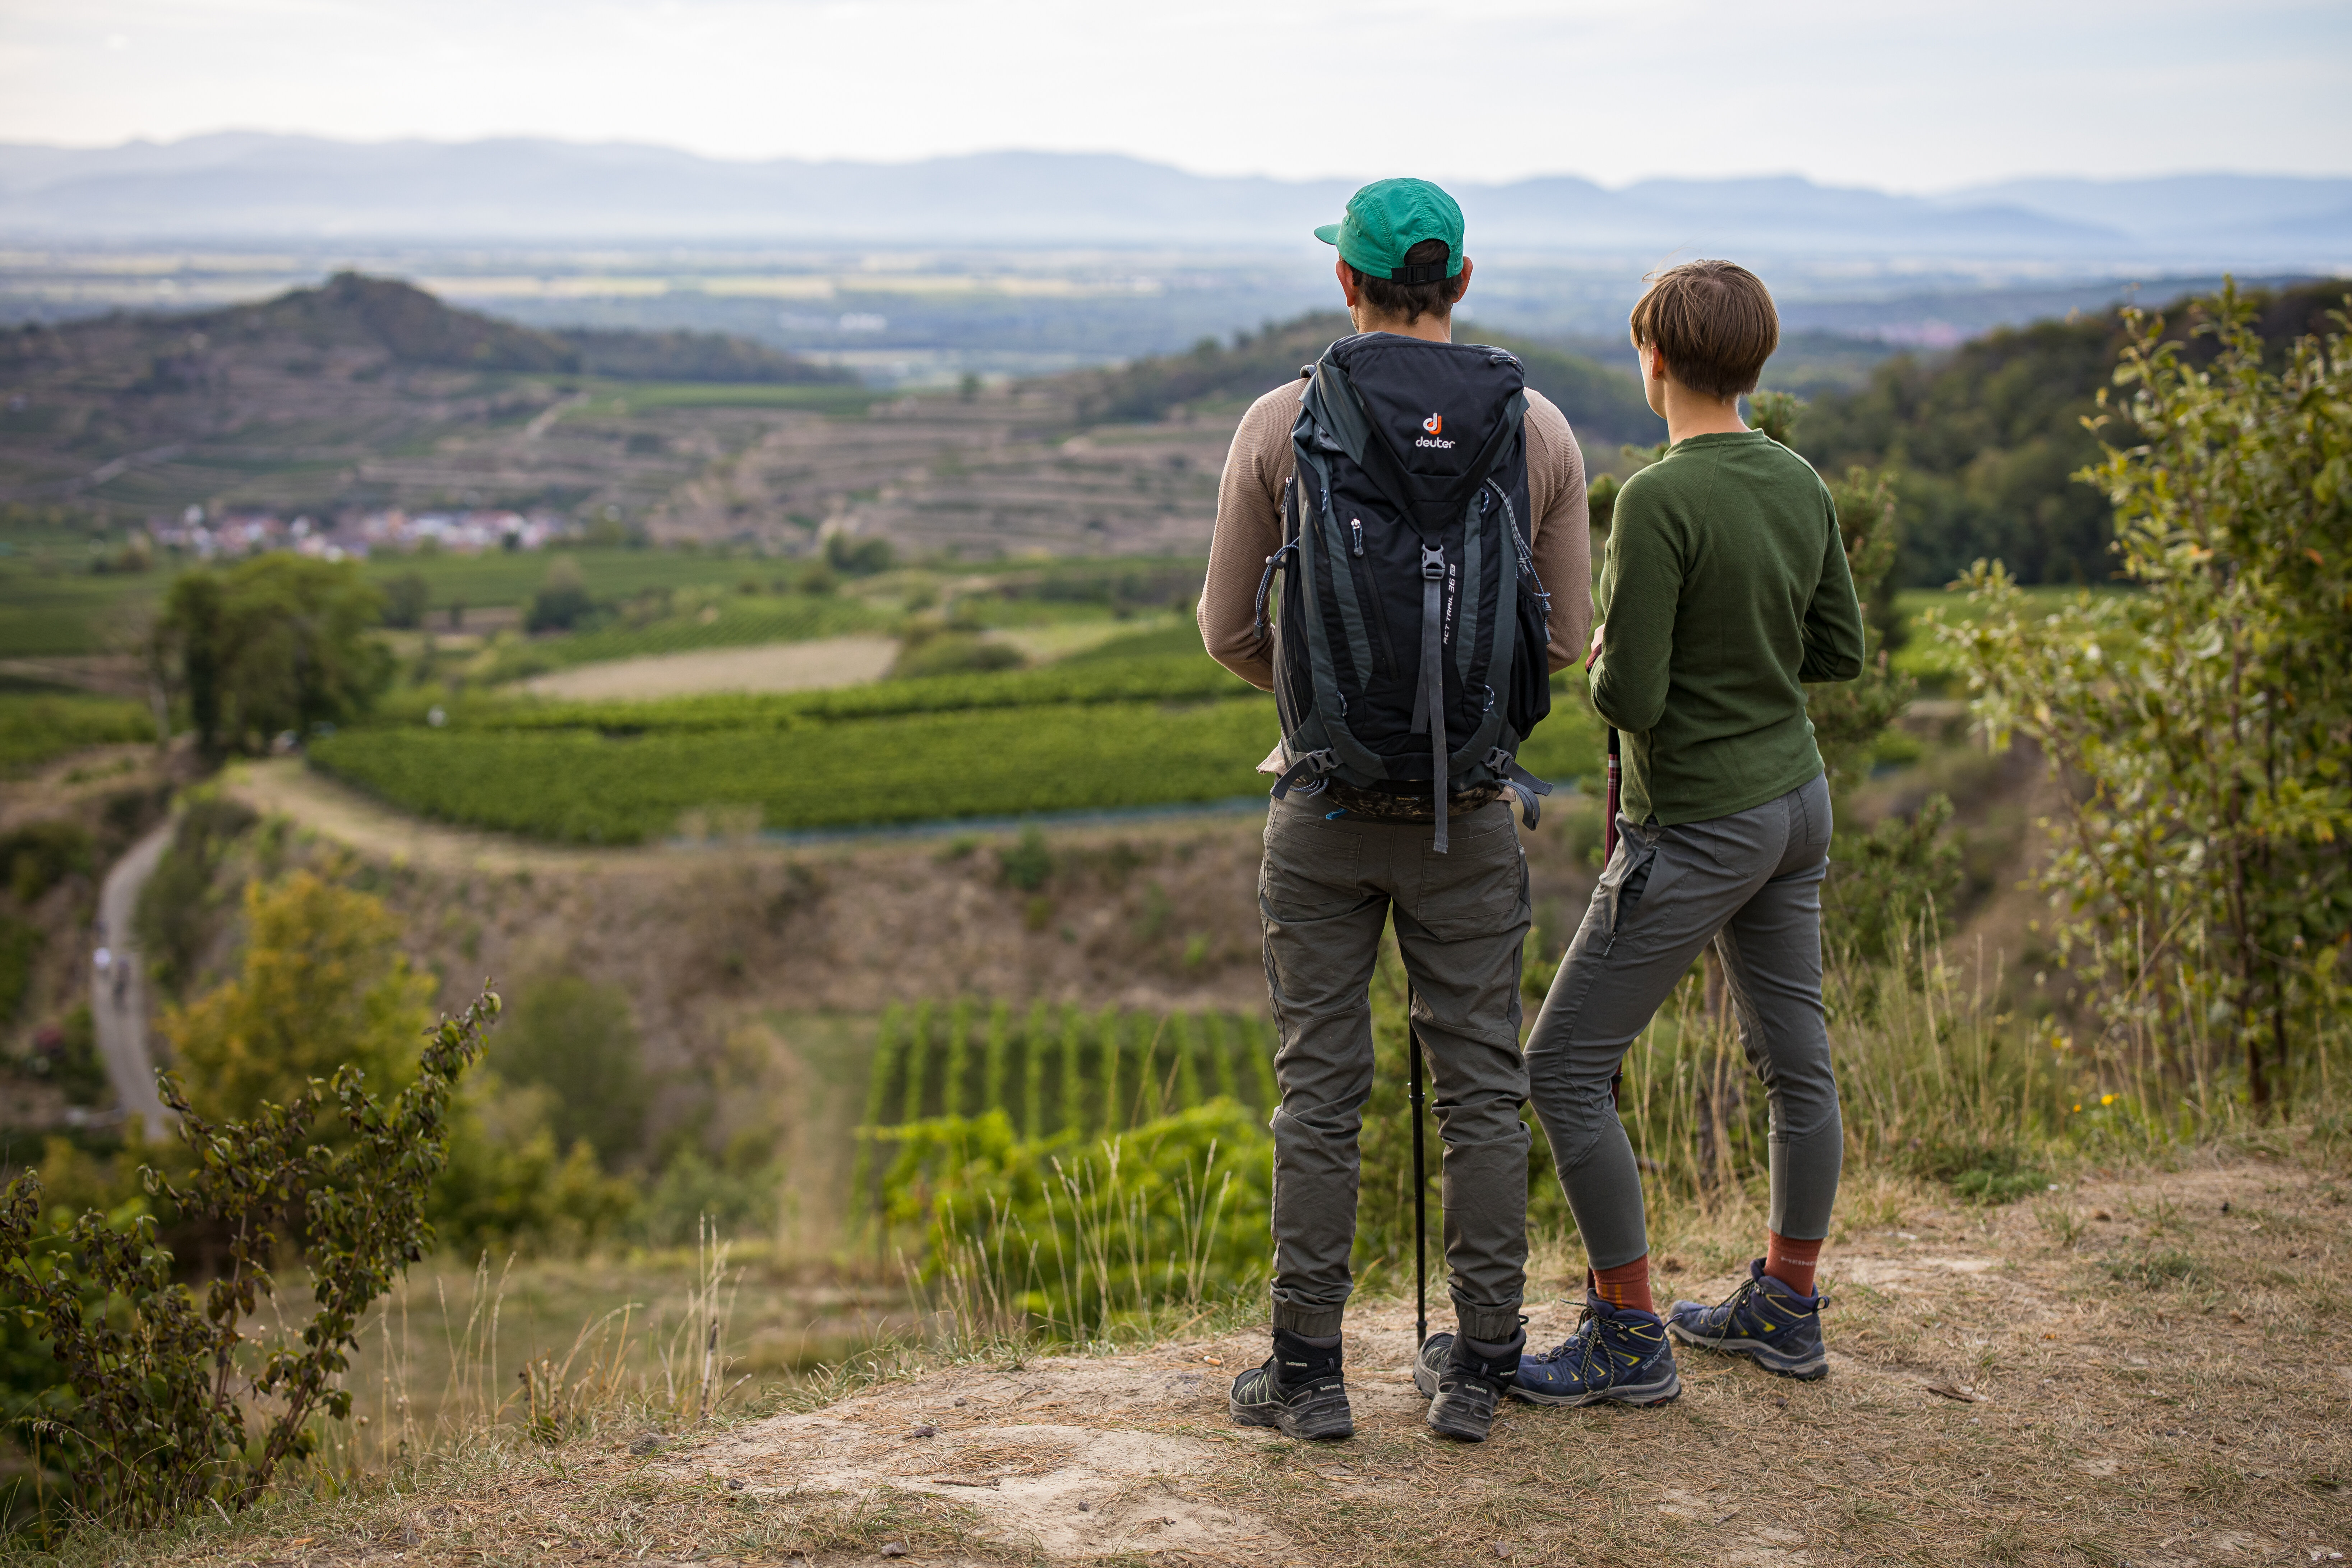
(1461, 1386)
(1764, 1321)
(1299, 1391)
(1617, 1354)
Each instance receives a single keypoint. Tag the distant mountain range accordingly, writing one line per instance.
(290, 189)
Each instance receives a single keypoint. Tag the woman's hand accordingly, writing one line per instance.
(1594, 652)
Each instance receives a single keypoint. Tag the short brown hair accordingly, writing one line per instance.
(1715, 322)
(1412, 301)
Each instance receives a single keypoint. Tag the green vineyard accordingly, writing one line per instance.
(1078, 736)
(1067, 1169)
(586, 787)
(1164, 679)
(726, 621)
(34, 727)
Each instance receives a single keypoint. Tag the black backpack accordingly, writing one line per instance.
(1412, 642)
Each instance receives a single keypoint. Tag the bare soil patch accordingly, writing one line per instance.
(817, 665)
(2126, 1373)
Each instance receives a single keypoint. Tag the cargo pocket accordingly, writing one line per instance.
(1632, 879)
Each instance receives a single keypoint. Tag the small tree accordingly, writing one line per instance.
(279, 643)
(323, 985)
(2202, 723)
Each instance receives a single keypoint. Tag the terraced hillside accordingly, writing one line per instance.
(368, 393)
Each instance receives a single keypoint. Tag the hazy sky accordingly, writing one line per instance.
(1904, 96)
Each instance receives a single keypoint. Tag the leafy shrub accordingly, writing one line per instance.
(176, 906)
(20, 944)
(576, 1039)
(563, 602)
(858, 557)
(1982, 1172)
(323, 986)
(2198, 722)
(40, 855)
(1028, 863)
(738, 1200)
(66, 1054)
(953, 653)
(153, 1392)
(407, 599)
(511, 1186)
(1883, 883)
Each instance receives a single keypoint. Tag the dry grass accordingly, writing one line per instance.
(2129, 1372)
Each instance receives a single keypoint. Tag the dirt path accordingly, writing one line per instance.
(2153, 1370)
(283, 786)
(118, 996)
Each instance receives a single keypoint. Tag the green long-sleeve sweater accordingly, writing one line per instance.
(1724, 591)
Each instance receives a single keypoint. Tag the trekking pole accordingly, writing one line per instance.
(1609, 821)
(1420, 1185)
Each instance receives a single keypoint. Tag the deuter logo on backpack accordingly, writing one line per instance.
(1435, 425)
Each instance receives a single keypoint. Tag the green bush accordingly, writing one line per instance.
(40, 855)
(148, 1414)
(953, 653)
(20, 944)
(2198, 722)
(181, 902)
(576, 1039)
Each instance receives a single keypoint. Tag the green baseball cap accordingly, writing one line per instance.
(1388, 217)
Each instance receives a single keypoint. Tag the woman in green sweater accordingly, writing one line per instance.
(1724, 592)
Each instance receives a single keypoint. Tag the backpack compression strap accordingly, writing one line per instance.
(1428, 703)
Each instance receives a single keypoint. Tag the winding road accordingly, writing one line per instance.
(121, 1014)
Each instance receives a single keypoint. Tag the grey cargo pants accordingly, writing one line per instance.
(1326, 888)
(1751, 883)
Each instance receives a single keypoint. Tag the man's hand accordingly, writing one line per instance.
(1594, 652)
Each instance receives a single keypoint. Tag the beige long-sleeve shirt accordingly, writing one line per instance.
(1249, 528)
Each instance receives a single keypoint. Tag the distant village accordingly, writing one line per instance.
(354, 536)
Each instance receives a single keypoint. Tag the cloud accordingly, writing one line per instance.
(1905, 98)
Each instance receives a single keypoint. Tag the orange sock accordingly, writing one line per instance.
(1792, 1262)
(1627, 1285)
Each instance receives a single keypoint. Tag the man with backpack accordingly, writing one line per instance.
(1425, 513)
(1725, 592)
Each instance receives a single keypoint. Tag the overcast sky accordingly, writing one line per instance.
(1901, 96)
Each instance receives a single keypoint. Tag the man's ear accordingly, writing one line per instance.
(1346, 276)
(1463, 280)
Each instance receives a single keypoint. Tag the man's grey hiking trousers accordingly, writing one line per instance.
(1751, 883)
(1328, 886)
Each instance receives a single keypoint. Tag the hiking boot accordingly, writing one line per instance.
(1764, 1321)
(1617, 1354)
(1461, 1387)
(1299, 1391)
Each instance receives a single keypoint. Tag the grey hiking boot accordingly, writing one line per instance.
(1461, 1387)
(1299, 1391)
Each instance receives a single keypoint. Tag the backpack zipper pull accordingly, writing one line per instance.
(1357, 524)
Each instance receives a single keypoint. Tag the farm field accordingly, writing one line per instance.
(1099, 733)
(37, 727)
(813, 665)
